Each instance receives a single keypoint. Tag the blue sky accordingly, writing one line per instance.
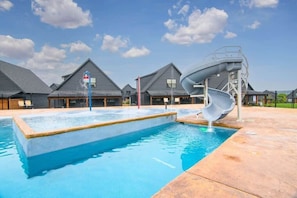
(130, 38)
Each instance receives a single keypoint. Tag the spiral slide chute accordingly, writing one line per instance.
(220, 103)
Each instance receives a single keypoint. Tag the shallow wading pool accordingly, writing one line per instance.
(62, 131)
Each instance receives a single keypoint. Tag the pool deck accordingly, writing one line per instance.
(259, 160)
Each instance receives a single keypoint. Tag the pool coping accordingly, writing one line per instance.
(37, 143)
(28, 132)
(259, 160)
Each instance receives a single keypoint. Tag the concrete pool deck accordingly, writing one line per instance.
(259, 160)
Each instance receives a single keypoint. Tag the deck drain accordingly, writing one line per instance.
(251, 133)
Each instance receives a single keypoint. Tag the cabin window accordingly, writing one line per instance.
(93, 82)
(171, 83)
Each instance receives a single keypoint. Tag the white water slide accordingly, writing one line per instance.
(220, 103)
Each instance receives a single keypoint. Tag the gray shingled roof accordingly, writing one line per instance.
(167, 93)
(292, 94)
(130, 88)
(23, 78)
(7, 94)
(149, 79)
(70, 86)
(85, 93)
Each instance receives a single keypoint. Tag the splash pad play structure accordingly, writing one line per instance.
(228, 61)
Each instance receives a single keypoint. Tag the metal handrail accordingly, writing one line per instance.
(225, 52)
(232, 52)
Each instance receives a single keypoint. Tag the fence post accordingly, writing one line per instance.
(293, 98)
(275, 98)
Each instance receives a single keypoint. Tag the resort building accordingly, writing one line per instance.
(256, 98)
(73, 91)
(54, 86)
(270, 98)
(163, 86)
(21, 88)
(292, 97)
(129, 95)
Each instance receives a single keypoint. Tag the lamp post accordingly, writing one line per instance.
(138, 93)
(171, 84)
(87, 78)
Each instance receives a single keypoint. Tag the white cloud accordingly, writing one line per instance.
(184, 10)
(16, 48)
(170, 24)
(61, 13)
(113, 44)
(5, 5)
(245, 3)
(201, 27)
(77, 46)
(264, 3)
(230, 35)
(259, 3)
(97, 37)
(49, 65)
(169, 12)
(47, 58)
(177, 5)
(136, 52)
(254, 25)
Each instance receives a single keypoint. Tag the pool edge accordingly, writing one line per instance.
(37, 143)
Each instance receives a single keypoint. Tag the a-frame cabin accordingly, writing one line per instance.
(163, 86)
(73, 92)
(20, 86)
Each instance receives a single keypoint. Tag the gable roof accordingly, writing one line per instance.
(72, 86)
(128, 91)
(25, 80)
(128, 86)
(292, 94)
(150, 79)
(54, 86)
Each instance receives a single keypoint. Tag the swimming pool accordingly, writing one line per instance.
(134, 165)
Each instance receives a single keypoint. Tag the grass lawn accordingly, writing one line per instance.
(282, 105)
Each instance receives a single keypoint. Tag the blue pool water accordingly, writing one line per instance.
(134, 165)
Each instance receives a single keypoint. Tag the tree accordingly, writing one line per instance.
(281, 98)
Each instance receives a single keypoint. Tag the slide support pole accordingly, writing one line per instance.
(239, 98)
